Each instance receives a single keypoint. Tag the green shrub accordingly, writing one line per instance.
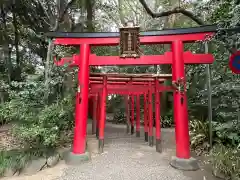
(43, 130)
(25, 98)
(167, 120)
(37, 125)
(119, 116)
(15, 110)
(226, 160)
(14, 159)
(225, 156)
(38, 132)
(199, 133)
(228, 133)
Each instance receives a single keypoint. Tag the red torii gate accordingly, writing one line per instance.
(177, 57)
(129, 84)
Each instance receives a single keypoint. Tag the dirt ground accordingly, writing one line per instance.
(47, 174)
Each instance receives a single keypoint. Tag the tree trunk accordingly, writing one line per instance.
(90, 15)
(169, 23)
(120, 10)
(158, 3)
(18, 70)
(16, 38)
(7, 50)
(47, 67)
(121, 17)
(60, 17)
(47, 70)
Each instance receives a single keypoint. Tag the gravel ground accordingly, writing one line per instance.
(126, 157)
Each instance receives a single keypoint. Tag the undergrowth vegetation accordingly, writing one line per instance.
(13, 159)
(226, 160)
(226, 145)
(37, 128)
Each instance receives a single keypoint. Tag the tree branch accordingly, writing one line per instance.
(41, 6)
(61, 15)
(120, 10)
(175, 10)
(77, 26)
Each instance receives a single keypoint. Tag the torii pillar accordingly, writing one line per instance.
(145, 117)
(150, 116)
(78, 153)
(102, 120)
(132, 114)
(94, 119)
(127, 111)
(138, 115)
(182, 160)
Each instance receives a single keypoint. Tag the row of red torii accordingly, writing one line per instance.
(177, 57)
(130, 86)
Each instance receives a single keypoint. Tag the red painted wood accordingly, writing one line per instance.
(157, 112)
(144, 39)
(81, 112)
(180, 104)
(150, 113)
(166, 58)
(132, 110)
(145, 113)
(123, 83)
(127, 87)
(138, 113)
(103, 110)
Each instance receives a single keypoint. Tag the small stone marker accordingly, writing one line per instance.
(53, 160)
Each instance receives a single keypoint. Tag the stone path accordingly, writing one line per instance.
(127, 157)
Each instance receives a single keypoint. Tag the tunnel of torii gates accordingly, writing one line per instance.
(130, 86)
(177, 57)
